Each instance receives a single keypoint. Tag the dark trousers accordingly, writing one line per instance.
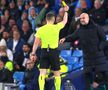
(100, 77)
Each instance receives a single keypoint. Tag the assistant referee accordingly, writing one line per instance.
(48, 37)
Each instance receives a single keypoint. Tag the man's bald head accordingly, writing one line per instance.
(84, 18)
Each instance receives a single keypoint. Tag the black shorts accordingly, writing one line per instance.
(50, 59)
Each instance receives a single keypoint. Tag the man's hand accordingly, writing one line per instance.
(3, 53)
(33, 57)
(62, 41)
(17, 67)
(46, 5)
(95, 85)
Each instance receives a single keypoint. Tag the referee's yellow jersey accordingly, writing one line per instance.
(49, 35)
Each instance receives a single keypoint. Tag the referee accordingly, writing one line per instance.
(48, 37)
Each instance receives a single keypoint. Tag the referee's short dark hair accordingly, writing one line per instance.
(50, 16)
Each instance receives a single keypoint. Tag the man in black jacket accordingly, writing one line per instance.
(31, 76)
(6, 76)
(91, 38)
(98, 13)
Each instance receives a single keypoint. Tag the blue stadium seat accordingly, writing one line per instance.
(18, 76)
(77, 65)
(107, 37)
(81, 60)
(72, 59)
(69, 67)
(77, 53)
(22, 87)
(65, 53)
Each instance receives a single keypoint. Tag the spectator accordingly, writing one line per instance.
(20, 5)
(8, 64)
(32, 16)
(75, 21)
(7, 14)
(14, 12)
(36, 18)
(3, 5)
(40, 4)
(2, 29)
(98, 13)
(51, 4)
(4, 48)
(4, 21)
(26, 30)
(31, 39)
(26, 50)
(61, 12)
(31, 76)
(24, 16)
(26, 7)
(23, 57)
(11, 23)
(31, 3)
(14, 27)
(83, 5)
(5, 74)
(6, 35)
(16, 44)
(105, 5)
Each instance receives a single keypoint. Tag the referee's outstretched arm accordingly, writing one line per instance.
(65, 18)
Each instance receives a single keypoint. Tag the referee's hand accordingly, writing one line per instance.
(33, 57)
(66, 8)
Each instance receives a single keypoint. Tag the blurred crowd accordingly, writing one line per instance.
(20, 20)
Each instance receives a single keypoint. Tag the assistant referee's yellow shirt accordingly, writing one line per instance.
(49, 35)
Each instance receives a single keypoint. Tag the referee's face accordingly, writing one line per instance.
(84, 19)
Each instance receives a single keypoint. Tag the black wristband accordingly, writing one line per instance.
(66, 11)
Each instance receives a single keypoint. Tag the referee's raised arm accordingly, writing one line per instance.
(65, 18)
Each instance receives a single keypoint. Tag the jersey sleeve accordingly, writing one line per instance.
(73, 36)
(59, 26)
(37, 34)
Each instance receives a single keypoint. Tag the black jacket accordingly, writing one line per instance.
(6, 76)
(98, 15)
(31, 79)
(91, 38)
